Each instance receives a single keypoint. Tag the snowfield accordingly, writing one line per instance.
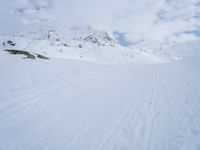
(63, 104)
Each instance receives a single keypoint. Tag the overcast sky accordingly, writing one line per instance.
(130, 19)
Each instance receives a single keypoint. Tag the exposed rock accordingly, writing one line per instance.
(92, 39)
(80, 46)
(41, 56)
(64, 44)
(8, 43)
(11, 43)
(4, 44)
(20, 52)
(53, 36)
(27, 54)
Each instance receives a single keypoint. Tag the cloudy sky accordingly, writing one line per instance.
(128, 20)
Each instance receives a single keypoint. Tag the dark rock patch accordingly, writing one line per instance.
(41, 56)
(11, 43)
(25, 53)
(80, 46)
(64, 44)
(8, 43)
(92, 39)
(4, 44)
(20, 52)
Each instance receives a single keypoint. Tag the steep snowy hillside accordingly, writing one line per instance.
(83, 43)
(77, 105)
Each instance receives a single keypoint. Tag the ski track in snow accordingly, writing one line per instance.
(119, 107)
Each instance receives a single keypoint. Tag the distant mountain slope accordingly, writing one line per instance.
(169, 50)
(83, 43)
(84, 36)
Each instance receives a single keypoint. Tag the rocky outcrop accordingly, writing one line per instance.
(8, 43)
(27, 55)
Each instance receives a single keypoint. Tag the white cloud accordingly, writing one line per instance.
(138, 18)
(155, 19)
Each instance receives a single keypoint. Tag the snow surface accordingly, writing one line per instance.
(63, 104)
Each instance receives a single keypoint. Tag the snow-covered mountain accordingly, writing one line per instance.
(84, 43)
(87, 36)
(84, 36)
(89, 44)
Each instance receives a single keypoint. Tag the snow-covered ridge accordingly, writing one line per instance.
(90, 36)
(82, 43)
(85, 36)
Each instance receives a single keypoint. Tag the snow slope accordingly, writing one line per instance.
(169, 50)
(76, 105)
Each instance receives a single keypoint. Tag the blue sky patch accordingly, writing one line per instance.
(120, 37)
